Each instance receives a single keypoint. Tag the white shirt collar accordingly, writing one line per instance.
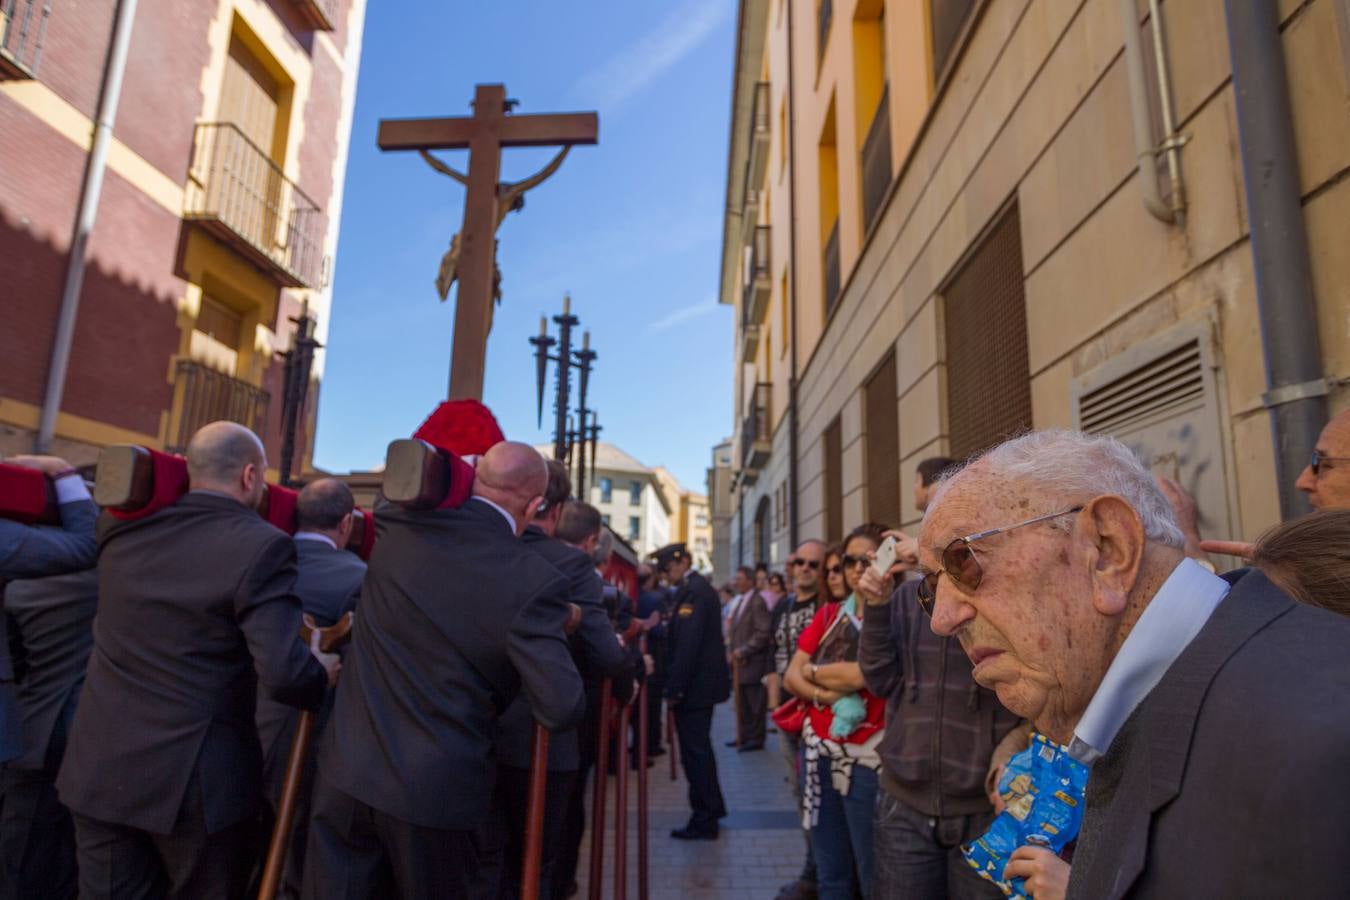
(315, 536)
(510, 519)
(1167, 625)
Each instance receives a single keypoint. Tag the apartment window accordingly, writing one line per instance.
(701, 521)
(762, 529)
(634, 528)
(883, 445)
(871, 110)
(635, 493)
(216, 336)
(829, 209)
(606, 490)
(988, 373)
(947, 19)
(834, 483)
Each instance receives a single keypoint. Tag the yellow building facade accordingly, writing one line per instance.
(939, 232)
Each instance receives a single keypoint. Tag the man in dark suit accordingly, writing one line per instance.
(327, 583)
(163, 770)
(752, 651)
(458, 616)
(652, 601)
(597, 653)
(1215, 713)
(51, 619)
(697, 682)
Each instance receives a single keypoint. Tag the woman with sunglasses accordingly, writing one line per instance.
(835, 586)
(843, 726)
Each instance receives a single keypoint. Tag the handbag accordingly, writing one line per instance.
(791, 716)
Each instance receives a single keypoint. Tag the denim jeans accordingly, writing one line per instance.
(842, 838)
(918, 857)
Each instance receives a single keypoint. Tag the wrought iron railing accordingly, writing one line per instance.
(757, 274)
(830, 260)
(23, 26)
(238, 192)
(876, 161)
(755, 426)
(203, 395)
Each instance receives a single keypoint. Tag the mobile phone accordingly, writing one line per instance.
(885, 556)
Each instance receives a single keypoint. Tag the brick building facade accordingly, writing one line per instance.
(216, 222)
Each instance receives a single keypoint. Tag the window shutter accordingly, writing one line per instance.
(883, 445)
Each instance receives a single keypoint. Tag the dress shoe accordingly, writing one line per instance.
(729, 744)
(690, 833)
(797, 890)
(746, 748)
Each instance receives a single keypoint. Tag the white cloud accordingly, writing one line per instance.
(628, 73)
(680, 316)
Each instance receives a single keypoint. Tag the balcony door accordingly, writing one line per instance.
(245, 154)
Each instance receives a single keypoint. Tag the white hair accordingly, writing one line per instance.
(1072, 467)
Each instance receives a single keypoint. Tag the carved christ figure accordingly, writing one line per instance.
(510, 198)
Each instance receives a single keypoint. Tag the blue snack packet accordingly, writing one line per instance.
(1042, 790)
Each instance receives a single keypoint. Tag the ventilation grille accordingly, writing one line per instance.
(1159, 388)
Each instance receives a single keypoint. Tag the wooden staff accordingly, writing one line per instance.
(330, 639)
(531, 863)
(642, 780)
(736, 695)
(598, 797)
(621, 809)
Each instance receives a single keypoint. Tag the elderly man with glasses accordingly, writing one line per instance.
(1215, 712)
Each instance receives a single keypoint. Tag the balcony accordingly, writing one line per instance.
(830, 265)
(23, 25)
(750, 213)
(876, 162)
(758, 162)
(321, 15)
(202, 395)
(239, 195)
(749, 341)
(755, 438)
(755, 303)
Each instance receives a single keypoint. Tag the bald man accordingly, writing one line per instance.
(458, 616)
(196, 609)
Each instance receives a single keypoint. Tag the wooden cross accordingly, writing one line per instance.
(485, 133)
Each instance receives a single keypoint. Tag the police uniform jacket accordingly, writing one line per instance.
(699, 676)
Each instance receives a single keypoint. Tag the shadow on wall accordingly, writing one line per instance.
(124, 336)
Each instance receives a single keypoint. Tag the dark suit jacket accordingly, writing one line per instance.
(328, 584)
(1230, 779)
(752, 634)
(699, 677)
(52, 618)
(457, 617)
(196, 607)
(595, 651)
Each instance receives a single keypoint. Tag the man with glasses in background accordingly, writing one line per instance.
(1326, 479)
(791, 616)
(1057, 562)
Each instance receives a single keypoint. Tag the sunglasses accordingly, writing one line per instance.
(851, 562)
(835, 569)
(812, 564)
(1318, 460)
(960, 564)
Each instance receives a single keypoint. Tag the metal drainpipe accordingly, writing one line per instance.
(1297, 387)
(1146, 151)
(791, 299)
(84, 223)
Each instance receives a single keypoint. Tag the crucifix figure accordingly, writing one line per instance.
(471, 259)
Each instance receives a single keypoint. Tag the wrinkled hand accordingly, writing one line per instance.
(876, 589)
(331, 662)
(47, 465)
(1241, 549)
(991, 786)
(1047, 876)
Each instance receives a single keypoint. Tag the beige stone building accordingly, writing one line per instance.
(690, 518)
(941, 229)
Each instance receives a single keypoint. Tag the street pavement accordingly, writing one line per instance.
(760, 848)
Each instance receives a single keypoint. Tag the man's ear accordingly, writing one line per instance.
(1114, 537)
(533, 507)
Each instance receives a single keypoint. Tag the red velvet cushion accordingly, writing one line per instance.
(24, 493)
(170, 483)
(464, 427)
(461, 482)
(281, 502)
(367, 535)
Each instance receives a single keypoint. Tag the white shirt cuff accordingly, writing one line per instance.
(71, 488)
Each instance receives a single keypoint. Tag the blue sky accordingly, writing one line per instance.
(631, 227)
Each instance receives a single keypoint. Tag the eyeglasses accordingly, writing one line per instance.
(1318, 459)
(960, 564)
(792, 562)
(835, 569)
(851, 562)
(812, 564)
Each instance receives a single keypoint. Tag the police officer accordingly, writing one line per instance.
(697, 681)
